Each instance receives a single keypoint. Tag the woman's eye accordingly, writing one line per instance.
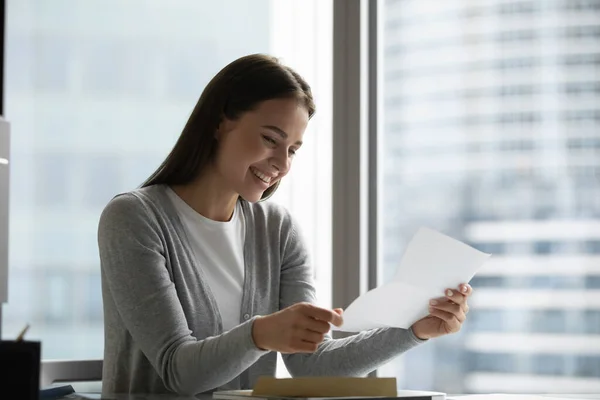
(269, 139)
(292, 152)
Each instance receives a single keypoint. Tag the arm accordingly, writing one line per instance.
(356, 355)
(138, 282)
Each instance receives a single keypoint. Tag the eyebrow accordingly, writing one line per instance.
(280, 132)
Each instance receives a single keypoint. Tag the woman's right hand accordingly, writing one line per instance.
(299, 328)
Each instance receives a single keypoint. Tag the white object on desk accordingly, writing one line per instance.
(504, 396)
(431, 263)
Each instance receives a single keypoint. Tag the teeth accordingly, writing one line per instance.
(260, 175)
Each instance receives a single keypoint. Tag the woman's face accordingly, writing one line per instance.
(256, 150)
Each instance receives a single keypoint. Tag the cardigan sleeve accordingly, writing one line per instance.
(137, 282)
(356, 355)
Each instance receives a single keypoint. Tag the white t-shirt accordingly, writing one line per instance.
(219, 251)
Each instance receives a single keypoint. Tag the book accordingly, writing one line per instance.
(326, 388)
(56, 392)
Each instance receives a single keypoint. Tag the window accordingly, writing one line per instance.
(97, 174)
(98, 92)
(51, 64)
(51, 179)
(525, 99)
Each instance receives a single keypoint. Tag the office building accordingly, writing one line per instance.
(80, 83)
(492, 135)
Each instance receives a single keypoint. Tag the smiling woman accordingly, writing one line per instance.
(225, 275)
(236, 141)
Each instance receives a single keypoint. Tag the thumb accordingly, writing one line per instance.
(339, 312)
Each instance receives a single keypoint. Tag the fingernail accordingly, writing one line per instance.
(449, 293)
(433, 302)
(464, 289)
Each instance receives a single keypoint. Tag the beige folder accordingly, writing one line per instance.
(325, 387)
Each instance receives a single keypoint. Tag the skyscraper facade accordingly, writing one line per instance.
(492, 135)
(97, 93)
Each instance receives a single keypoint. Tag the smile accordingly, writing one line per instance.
(261, 176)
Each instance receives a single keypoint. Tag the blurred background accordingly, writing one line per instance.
(97, 93)
(491, 131)
(492, 135)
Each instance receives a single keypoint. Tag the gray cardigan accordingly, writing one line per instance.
(162, 328)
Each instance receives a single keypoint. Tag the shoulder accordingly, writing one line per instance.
(128, 207)
(268, 214)
(272, 220)
(269, 209)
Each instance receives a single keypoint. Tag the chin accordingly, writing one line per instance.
(252, 197)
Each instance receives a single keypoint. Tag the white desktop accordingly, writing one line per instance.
(4, 199)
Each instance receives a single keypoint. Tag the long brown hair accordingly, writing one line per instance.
(238, 88)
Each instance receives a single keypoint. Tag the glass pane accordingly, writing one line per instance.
(97, 92)
(492, 136)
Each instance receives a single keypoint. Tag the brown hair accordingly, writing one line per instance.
(238, 88)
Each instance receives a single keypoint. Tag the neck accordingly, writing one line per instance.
(207, 196)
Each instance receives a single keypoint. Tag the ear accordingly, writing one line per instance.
(225, 126)
(218, 132)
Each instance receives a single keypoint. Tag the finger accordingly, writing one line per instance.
(311, 324)
(310, 347)
(311, 336)
(301, 346)
(340, 311)
(455, 296)
(459, 298)
(452, 323)
(322, 314)
(465, 289)
(449, 307)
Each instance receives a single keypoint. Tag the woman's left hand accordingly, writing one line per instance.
(446, 314)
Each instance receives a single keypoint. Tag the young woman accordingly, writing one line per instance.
(203, 282)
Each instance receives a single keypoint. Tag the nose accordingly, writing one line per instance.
(280, 162)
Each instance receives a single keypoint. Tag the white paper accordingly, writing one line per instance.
(503, 396)
(431, 263)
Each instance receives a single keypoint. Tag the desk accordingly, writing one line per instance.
(95, 396)
(516, 396)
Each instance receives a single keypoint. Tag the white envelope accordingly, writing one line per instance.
(431, 263)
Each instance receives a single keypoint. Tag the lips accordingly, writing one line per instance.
(261, 175)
